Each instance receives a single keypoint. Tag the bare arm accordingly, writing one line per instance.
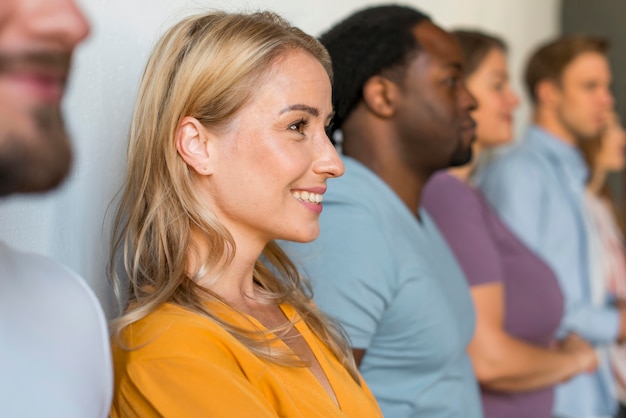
(505, 363)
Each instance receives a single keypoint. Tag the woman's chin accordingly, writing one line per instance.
(304, 237)
(495, 141)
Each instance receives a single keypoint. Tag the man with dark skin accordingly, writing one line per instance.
(53, 333)
(380, 266)
(424, 122)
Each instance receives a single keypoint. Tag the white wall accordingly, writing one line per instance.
(68, 224)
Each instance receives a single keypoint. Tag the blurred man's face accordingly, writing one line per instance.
(37, 38)
(434, 118)
(583, 97)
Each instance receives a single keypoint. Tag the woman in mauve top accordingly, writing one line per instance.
(228, 152)
(517, 298)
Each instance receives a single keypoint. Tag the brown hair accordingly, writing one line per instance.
(475, 46)
(590, 150)
(551, 59)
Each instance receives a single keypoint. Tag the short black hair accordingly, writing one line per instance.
(366, 44)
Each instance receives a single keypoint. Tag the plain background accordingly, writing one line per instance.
(69, 224)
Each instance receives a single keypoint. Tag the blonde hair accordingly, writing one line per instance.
(207, 66)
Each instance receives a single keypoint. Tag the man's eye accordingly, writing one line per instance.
(452, 81)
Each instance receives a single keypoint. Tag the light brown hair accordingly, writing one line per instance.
(590, 149)
(475, 46)
(551, 59)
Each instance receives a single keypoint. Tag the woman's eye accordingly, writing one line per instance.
(299, 126)
(329, 130)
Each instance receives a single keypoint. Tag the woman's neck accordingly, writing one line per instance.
(462, 173)
(232, 279)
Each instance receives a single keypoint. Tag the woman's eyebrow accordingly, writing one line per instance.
(311, 110)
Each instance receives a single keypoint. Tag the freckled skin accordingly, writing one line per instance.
(276, 145)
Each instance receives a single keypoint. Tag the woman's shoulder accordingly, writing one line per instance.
(171, 331)
(446, 197)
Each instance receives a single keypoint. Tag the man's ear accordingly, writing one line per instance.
(192, 144)
(548, 92)
(379, 94)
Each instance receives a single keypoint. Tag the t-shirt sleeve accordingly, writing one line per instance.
(461, 219)
(513, 188)
(351, 270)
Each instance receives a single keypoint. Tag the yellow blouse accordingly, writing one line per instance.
(188, 366)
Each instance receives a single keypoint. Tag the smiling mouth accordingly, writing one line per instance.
(308, 197)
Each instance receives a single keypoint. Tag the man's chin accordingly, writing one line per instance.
(35, 161)
(25, 171)
(47, 178)
(590, 132)
(461, 157)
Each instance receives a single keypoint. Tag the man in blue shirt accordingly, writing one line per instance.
(537, 188)
(380, 266)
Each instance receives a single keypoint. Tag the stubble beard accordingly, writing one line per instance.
(39, 161)
(461, 156)
(463, 153)
(578, 135)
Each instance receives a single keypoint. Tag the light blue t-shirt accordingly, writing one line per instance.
(537, 188)
(399, 293)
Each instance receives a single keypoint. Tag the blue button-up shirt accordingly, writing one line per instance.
(537, 188)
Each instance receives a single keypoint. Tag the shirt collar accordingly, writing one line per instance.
(559, 152)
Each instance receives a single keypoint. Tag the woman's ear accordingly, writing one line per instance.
(378, 96)
(192, 144)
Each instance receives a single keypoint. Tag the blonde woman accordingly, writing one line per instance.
(227, 153)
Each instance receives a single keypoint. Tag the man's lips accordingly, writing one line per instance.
(48, 65)
(469, 124)
(44, 88)
(468, 130)
(469, 127)
(43, 75)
